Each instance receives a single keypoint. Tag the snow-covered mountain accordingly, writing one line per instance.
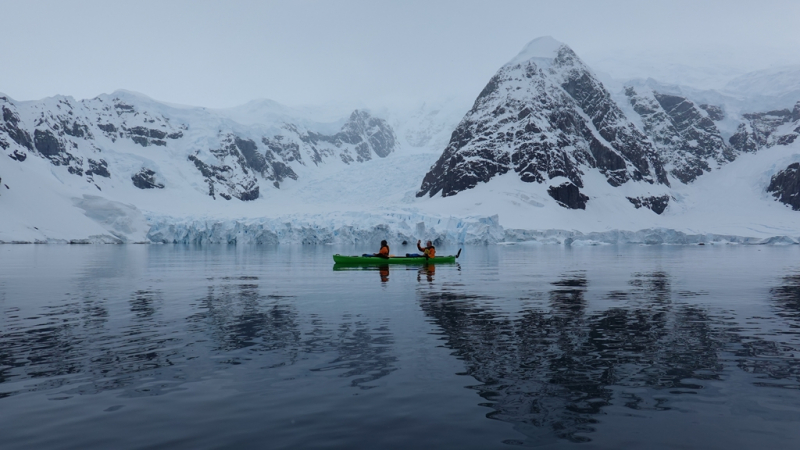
(125, 135)
(546, 153)
(544, 116)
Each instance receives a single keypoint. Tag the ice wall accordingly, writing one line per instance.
(353, 228)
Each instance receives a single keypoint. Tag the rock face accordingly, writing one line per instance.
(231, 160)
(361, 137)
(232, 174)
(760, 130)
(568, 195)
(543, 115)
(146, 179)
(687, 140)
(785, 186)
(657, 204)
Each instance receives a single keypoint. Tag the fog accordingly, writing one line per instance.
(370, 53)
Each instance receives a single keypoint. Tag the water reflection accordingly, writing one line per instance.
(558, 349)
(787, 298)
(73, 349)
(426, 272)
(554, 370)
(365, 355)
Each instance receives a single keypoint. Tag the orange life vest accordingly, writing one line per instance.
(430, 252)
(384, 251)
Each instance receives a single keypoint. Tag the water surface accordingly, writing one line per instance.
(265, 347)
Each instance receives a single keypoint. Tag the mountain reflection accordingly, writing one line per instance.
(787, 298)
(557, 368)
(74, 349)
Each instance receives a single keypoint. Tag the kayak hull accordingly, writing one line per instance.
(374, 260)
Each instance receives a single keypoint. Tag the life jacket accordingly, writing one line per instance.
(384, 251)
(430, 252)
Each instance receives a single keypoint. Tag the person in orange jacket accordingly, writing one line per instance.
(429, 251)
(384, 251)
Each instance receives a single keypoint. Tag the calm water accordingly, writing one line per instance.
(260, 347)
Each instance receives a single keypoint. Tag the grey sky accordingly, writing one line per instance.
(225, 53)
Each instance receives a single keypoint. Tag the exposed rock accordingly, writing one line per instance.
(47, 144)
(223, 180)
(76, 129)
(532, 118)
(18, 155)
(99, 168)
(785, 186)
(11, 127)
(368, 134)
(715, 113)
(360, 137)
(687, 140)
(657, 204)
(568, 195)
(253, 158)
(149, 136)
(146, 179)
(107, 127)
(281, 171)
(763, 130)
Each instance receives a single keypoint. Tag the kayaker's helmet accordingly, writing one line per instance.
(384, 243)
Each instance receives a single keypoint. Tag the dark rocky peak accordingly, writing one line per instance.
(765, 129)
(13, 137)
(543, 115)
(686, 138)
(785, 186)
(372, 131)
(359, 138)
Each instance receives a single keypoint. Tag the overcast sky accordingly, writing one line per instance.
(372, 53)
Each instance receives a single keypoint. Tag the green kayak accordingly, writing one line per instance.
(374, 260)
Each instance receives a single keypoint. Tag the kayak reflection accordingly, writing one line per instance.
(383, 269)
(425, 272)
